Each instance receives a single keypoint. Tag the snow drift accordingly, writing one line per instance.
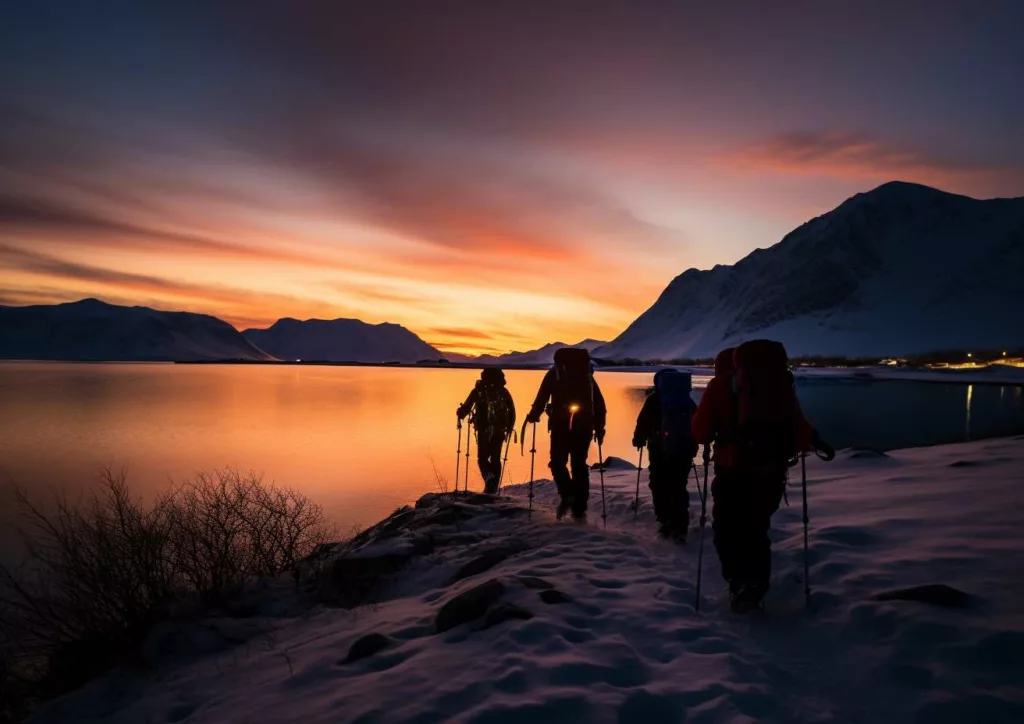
(480, 614)
(341, 340)
(903, 269)
(91, 330)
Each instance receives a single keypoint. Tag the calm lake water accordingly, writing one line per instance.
(363, 440)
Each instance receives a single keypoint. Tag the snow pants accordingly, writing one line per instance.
(668, 480)
(742, 513)
(571, 445)
(488, 456)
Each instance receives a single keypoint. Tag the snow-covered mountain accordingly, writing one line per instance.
(93, 330)
(341, 340)
(542, 356)
(902, 269)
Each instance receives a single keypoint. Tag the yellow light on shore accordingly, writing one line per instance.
(574, 408)
(969, 354)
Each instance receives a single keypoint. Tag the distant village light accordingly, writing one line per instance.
(969, 354)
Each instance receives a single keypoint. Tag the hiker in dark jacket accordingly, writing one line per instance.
(669, 458)
(576, 415)
(494, 417)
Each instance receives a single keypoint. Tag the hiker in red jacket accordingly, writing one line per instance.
(751, 414)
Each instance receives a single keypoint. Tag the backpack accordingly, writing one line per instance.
(491, 414)
(575, 390)
(766, 421)
(673, 388)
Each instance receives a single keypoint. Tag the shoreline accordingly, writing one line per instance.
(1002, 375)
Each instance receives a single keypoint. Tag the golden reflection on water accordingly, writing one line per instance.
(359, 440)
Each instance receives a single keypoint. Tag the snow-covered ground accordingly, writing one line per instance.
(599, 624)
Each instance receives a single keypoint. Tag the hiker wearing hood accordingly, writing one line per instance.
(493, 414)
(751, 413)
(663, 426)
(576, 415)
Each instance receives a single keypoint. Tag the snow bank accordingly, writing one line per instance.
(993, 374)
(543, 621)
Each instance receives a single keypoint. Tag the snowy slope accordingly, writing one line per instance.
(341, 340)
(543, 356)
(901, 269)
(93, 330)
(619, 640)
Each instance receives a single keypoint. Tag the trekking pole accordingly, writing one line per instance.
(458, 455)
(807, 562)
(703, 520)
(533, 455)
(469, 442)
(501, 474)
(600, 463)
(639, 470)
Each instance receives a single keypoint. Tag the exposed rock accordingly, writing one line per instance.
(553, 596)
(966, 464)
(614, 463)
(469, 605)
(366, 646)
(489, 559)
(352, 578)
(481, 563)
(936, 594)
(505, 611)
(536, 583)
(861, 453)
(399, 518)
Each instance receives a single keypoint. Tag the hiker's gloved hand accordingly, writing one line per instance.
(599, 436)
(533, 417)
(462, 411)
(638, 442)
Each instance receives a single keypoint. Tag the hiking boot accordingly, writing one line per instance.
(563, 508)
(579, 517)
(746, 598)
(664, 530)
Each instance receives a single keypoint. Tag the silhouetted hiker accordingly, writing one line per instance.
(663, 425)
(494, 417)
(576, 415)
(751, 413)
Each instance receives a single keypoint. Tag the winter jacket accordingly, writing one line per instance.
(559, 411)
(475, 401)
(648, 422)
(715, 419)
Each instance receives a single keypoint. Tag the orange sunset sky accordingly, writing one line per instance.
(493, 176)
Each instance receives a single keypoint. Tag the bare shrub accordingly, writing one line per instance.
(99, 574)
(228, 528)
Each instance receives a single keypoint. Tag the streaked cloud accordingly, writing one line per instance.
(853, 155)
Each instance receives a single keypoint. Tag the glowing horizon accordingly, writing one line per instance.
(476, 174)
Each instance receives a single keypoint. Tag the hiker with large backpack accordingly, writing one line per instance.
(493, 414)
(663, 426)
(751, 413)
(576, 415)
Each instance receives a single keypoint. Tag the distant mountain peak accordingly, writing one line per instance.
(93, 330)
(903, 268)
(341, 340)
